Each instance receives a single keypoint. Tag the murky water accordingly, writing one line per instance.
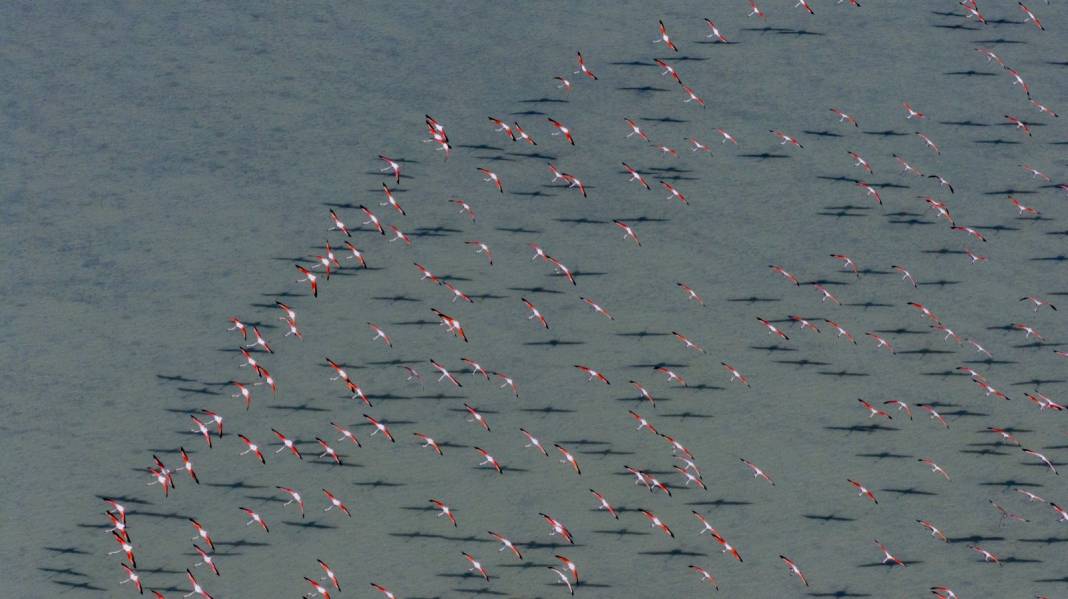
(165, 167)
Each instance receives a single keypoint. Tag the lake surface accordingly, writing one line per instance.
(166, 166)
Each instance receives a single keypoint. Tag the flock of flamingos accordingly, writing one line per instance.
(378, 225)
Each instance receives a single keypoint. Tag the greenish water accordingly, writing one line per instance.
(164, 167)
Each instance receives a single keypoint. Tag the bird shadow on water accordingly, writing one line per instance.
(802, 363)
(620, 532)
(61, 571)
(999, 40)
(753, 299)
(78, 585)
(429, 535)
(720, 502)
(784, 31)
(642, 90)
(883, 455)
(68, 550)
(863, 428)
(910, 491)
(959, 26)
(308, 524)
(663, 119)
(675, 552)
(885, 133)
(849, 374)
(535, 155)
(827, 518)
(844, 593)
(889, 565)
(764, 156)
(547, 410)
